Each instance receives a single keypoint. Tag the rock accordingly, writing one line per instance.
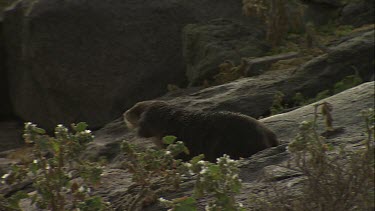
(358, 13)
(72, 61)
(10, 134)
(332, 3)
(258, 65)
(321, 12)
(5, 105)
(349, 57)
(207, 45)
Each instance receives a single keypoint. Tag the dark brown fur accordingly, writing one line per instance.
(210, 133)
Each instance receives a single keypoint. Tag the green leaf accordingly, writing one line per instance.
(196, 159)
(186, 204)
(55, 146)
(169, 139)
(80, 126)
(14, 199)
(39, 130)
(33, 168)
(214, 169)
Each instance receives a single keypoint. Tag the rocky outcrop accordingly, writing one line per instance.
(206, 46)
(73, 61)
(254, 96)
(346, 108)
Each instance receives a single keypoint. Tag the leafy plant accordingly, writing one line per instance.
(56, 162)
(277, 105)
(153, 169)
(276, 14)
(347, 83)
(333, 179)
(218, 181)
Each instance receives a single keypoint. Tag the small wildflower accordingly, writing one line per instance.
(5, 176)
(188, 165)
(35, 161)
(203, 171)
(167, 152)
(162, 200)
(81, 189)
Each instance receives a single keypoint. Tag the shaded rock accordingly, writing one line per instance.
(258, 65)
(70, 59)
(335, 3)
(349, 57)
(205, 46)
(10, 134)
(321, 12)
(5, 105)
(358, 13)
(354, 13)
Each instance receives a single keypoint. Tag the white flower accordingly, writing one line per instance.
(81, 189)
(35, 161)
(48, 167)
(87, 131)
(167, 152)
(5, 176)
(188, 165)
(162, 200)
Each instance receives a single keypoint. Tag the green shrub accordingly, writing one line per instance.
(333, 178)
(56, 162)
(219, 182)
(156, 171)
(153, 171)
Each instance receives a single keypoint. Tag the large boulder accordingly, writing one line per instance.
(87, 61)
(207, 45)
(5, 105)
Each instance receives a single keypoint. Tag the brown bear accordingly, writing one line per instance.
(210, 133)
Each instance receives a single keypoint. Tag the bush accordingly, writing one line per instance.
(333, 179)
(55, 164)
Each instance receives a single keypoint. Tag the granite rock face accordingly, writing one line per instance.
(207, 45)
(70, 59)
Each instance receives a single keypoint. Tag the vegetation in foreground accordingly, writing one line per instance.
(332, 178)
